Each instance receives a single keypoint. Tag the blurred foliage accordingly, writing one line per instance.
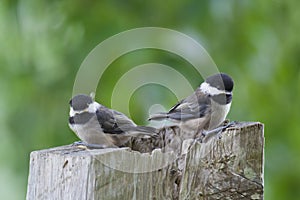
(43, 44)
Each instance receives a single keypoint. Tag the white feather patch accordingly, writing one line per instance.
(91, 109)
(206, 88)
(72, 112)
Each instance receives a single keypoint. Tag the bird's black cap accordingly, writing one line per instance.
(221, 81)
(80, 102)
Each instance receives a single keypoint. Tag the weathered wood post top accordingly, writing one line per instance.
(230, 167)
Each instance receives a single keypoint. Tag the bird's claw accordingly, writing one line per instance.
(217, 131)
(155, 136)
(229, 124)
(78, 143)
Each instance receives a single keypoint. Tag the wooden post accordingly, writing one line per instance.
(226, 168)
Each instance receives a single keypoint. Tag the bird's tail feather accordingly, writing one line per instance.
(159, 116)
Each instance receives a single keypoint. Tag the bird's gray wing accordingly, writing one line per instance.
(194, 106)
(127, 124)
(112, 121)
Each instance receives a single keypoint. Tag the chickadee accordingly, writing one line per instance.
(101, 127)
(206, 108)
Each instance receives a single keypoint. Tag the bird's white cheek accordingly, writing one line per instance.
(206, 88)
(72, 112)
(93, 107)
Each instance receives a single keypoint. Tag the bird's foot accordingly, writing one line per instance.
(217, 131)
(225, 122)
(84, 145)
(156, 135)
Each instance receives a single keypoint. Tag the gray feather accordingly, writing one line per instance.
(193, 107)
(158, 116)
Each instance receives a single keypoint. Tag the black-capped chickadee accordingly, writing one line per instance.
(206, 108)
(100, 127)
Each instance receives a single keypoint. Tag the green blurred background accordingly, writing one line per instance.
(43, 44)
